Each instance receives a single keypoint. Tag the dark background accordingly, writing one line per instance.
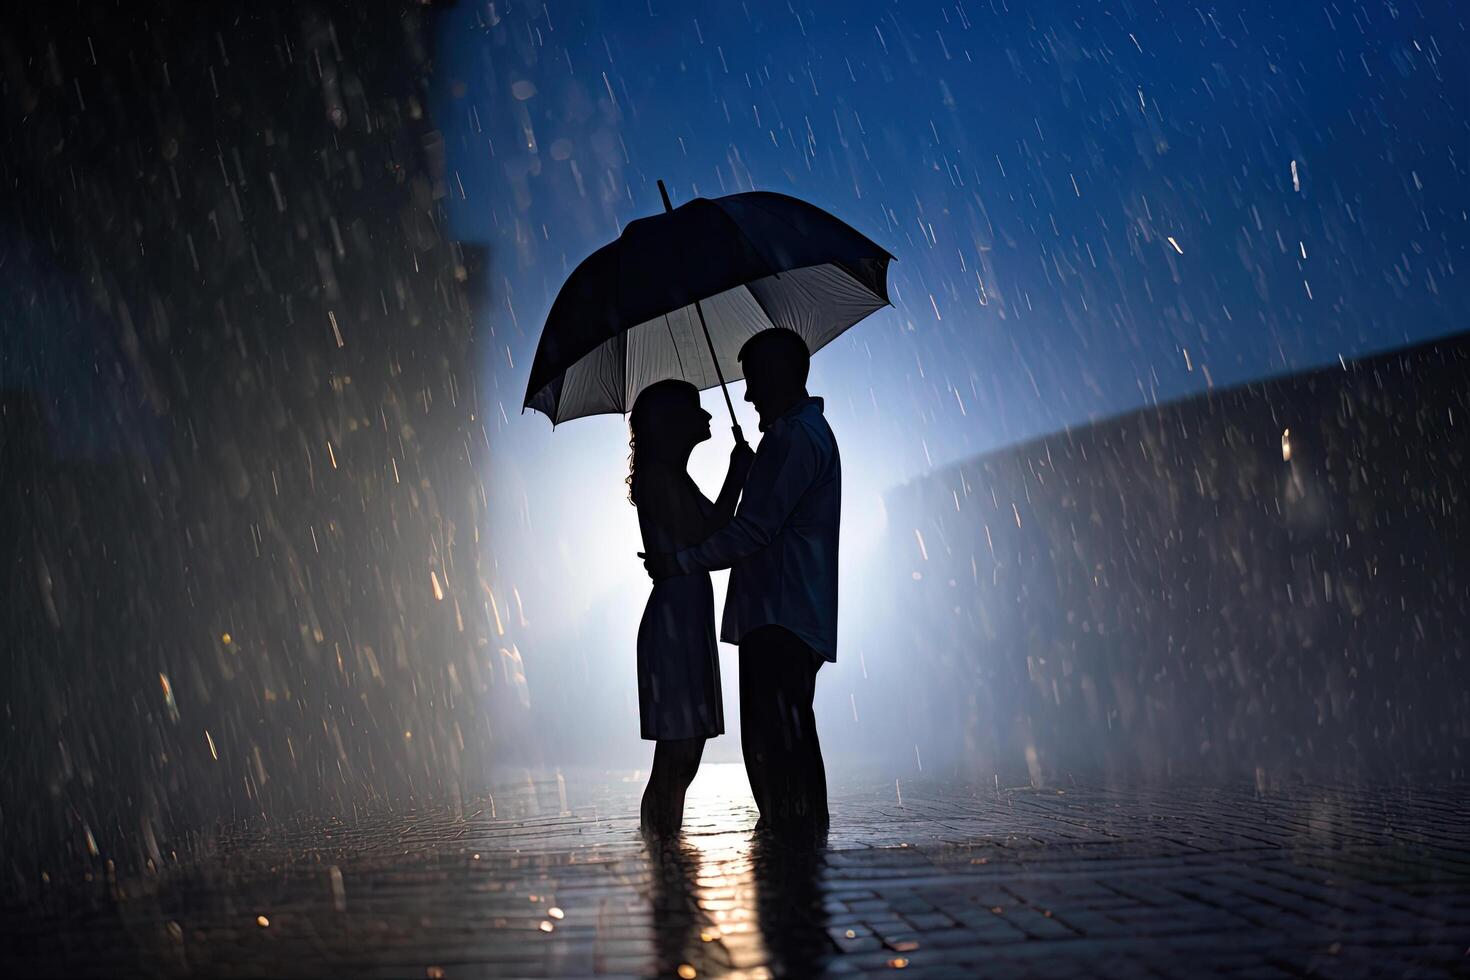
(276, 540)
(1272, 580)
(241, 452)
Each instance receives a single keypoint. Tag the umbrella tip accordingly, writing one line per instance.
(663, 192)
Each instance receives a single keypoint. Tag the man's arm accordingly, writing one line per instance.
(784, 468)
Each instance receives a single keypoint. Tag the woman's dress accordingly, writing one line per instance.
(678, 657)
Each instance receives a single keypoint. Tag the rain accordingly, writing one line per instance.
(1153, 466)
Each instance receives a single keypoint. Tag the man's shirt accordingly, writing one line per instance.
(781, 546)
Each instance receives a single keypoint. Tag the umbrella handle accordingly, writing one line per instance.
(729, 405)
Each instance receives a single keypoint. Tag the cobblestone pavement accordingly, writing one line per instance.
(549, 877)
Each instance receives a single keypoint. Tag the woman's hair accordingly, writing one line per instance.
(649, 431)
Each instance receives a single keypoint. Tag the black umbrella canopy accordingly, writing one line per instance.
(626, 317)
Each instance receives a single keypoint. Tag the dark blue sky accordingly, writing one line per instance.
(1027, 163)
(1093, 205)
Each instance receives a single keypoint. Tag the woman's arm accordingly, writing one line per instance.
(787, 465)
(724, 506)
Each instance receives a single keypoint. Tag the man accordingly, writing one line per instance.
(781, 607)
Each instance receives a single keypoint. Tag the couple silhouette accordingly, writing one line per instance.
(774, 524)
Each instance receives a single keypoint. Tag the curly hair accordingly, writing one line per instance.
(632, 462)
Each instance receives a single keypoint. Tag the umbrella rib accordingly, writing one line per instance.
(622, 334)
(760, 305)
(862, 285)
(782, 218)
(670, 328)
(776, 216)
(771, 270)
(623, 342)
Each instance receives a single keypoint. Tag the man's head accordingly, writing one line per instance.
(775, 362)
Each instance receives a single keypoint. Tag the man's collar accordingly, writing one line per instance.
(800, 406)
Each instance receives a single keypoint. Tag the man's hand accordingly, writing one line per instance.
(660, 565)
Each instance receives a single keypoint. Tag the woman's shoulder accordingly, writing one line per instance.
(657, 472)
(668, 489)
(658, 478)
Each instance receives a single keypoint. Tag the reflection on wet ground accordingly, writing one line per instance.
(549, 877)
(725, 899)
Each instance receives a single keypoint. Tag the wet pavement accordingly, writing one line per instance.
(547, 876)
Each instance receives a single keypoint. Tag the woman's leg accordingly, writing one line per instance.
(663, 800)
(675, 764)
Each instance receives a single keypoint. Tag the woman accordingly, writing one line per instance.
(678, 661)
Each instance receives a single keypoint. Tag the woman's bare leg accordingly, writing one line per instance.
(675, 763)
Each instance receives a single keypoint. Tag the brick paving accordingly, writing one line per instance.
(547, 876)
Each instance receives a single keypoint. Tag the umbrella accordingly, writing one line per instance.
(678, 294)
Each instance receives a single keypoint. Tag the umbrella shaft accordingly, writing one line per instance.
(729, 405)
(716, 362)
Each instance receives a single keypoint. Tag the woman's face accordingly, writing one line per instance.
(677, 419)
(696, 419)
